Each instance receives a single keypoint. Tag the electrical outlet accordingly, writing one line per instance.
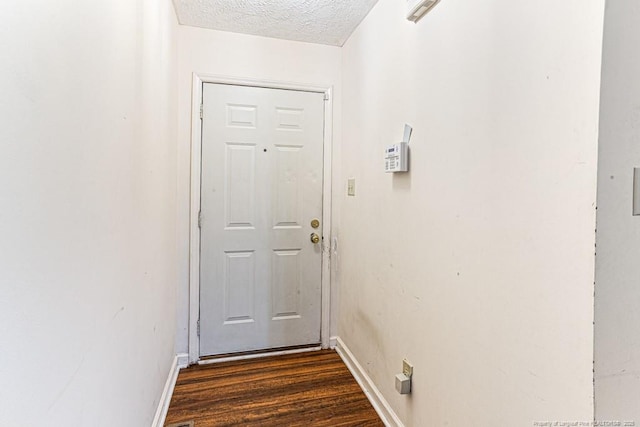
(407, 368)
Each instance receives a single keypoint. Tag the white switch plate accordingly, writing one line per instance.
(351, 187)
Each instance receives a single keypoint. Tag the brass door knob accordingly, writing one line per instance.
(315, 238)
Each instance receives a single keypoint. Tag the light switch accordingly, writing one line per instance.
(351, 187)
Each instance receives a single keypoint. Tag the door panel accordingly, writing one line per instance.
(286, 284)
(288, 194)
(239, 280)
(240, 185)
(260, 274)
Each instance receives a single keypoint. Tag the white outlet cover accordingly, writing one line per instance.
(407, 368)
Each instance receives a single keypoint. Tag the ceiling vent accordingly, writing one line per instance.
(416, 9)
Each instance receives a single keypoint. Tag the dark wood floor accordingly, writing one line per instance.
(306, 389)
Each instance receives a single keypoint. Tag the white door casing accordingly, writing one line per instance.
(261, 186)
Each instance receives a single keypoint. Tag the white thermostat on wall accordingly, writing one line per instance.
(396, 158)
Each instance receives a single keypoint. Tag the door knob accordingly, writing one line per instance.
(314, 238)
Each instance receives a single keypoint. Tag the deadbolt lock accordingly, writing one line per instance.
(315, 238)
(315, 223)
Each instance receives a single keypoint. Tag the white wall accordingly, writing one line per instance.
(87, 211)
(478, 264)
(617, 355)
(241, 56)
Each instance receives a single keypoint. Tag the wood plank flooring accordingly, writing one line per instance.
(306, 389)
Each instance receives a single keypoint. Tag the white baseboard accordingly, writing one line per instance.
(165, 399)
(380, 404)
(333, 342)
(183, 360)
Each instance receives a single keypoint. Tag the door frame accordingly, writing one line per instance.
(196, 164)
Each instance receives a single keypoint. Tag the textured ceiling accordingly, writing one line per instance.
(316, 21)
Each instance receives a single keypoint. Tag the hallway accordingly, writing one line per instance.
(475, 266)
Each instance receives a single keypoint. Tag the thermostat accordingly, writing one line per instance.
(396, 157)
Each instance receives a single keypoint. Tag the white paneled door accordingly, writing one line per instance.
(261, 207)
